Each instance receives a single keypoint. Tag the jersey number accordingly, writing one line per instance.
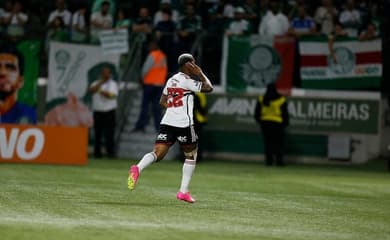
(175, 96)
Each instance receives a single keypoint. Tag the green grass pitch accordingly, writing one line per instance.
(234, 201)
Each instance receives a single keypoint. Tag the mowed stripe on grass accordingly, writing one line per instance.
(235, 201)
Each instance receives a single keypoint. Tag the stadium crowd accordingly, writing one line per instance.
(178, 23)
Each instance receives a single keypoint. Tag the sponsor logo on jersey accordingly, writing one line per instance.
(182, 138)
(162, 137)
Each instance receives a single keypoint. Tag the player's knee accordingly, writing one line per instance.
(191, 154)
(160, 151)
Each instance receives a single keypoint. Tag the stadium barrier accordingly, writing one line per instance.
(318, 120)
(43, 144)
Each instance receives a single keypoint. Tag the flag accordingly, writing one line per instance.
(73, 67)
(252, 62)
(354, 64)
(30, 50)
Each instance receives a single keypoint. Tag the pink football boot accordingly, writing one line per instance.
(133, 177)
(185, 197)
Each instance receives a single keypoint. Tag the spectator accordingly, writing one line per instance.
(228, 8)
(101, 20)
(325, 16)
(15, 22)
(61, 12)
(154, 74)
(79, 25)
(262, 11)
(165, 33)
(302, 24)
(216, 23)
(364, 10)
(2, 12)
(143, 23)
(369, 33)
(272, 115)
(122, 21)
(189, 27)
(165, 5)
(11, 80)
(274, 22)
(338, 32)
(224, 9)
(57, 31)
(377, 16)
(251, 12)
(239, 26)
(104, 104)
(293, 8)
(350, 19)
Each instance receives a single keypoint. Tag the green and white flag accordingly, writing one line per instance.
(73, 67)
(354, 64)
(252, 62)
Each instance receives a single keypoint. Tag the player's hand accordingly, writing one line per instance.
(194, 69)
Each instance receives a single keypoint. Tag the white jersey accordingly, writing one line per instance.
(179, 89)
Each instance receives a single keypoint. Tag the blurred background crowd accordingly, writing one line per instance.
(182, 25)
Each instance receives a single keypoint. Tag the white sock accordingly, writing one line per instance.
(147, 160)
(188, 169)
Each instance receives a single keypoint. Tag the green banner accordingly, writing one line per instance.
(252, 62)
(30, 50)
(307, 114)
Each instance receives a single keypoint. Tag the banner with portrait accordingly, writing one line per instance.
(72, 68)
(18, 82)
(252, 62)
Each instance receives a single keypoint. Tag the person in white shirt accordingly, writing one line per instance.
(274, 22)
(325, 16)
(15, 21)
(350, 19)
(177, 123)
(79, 27)
(104, 103)
(62, 12)
(239, 26)
(101, 20)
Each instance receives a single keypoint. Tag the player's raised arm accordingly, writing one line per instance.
(197, 71)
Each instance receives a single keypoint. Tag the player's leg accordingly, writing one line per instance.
(189, 146)
(164, 140)
(159, 152)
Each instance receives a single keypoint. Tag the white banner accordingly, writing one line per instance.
(72, 67)
(114, 41)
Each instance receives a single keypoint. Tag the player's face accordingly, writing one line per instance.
(10, 78)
